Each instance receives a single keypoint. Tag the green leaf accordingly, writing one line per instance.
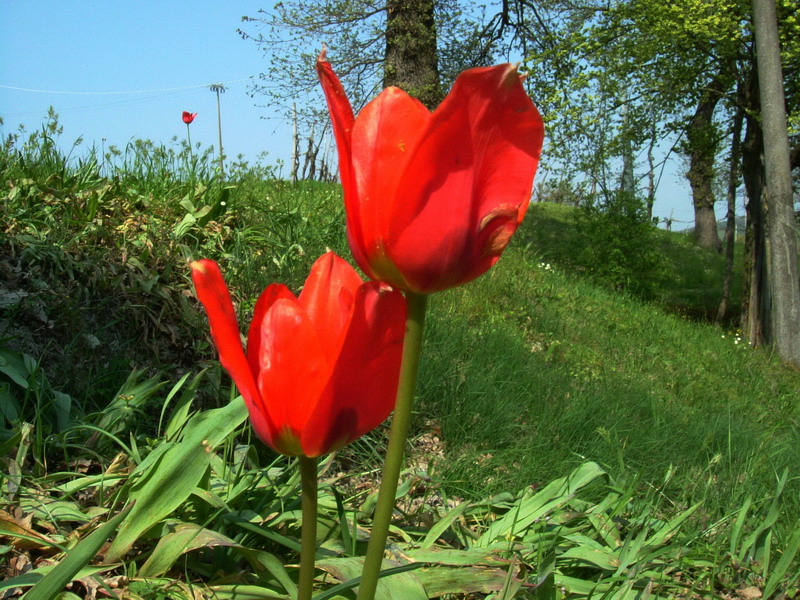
(784, 563)
(671, 527)
(529, 510)
(736, 531)
(600, 558)
(545, 578)
(443, 524)
(183, 538)
(77, 558)
(15, 367)
(34, 576)
(456, 558)
(180, 416)
(245, 592)
(439, 581)
(171, 479)
(60, 511)
(394, 583)
(754, 542)
(260, 559)
(630, 551)
(578, 587)
(290, 543)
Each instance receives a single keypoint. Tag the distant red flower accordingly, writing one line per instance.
(188, 117)
(432, 199)
(321, 369)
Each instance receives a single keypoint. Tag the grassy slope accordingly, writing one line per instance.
(527, 370)
(530, 370)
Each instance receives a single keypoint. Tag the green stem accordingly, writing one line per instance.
(412, 349)
(308, 537)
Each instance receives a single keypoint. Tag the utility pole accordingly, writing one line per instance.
(295, 146)
(219, 89)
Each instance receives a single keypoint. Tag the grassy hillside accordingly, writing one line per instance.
(691, 282)
(528, 372)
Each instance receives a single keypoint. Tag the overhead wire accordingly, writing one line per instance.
(154, 91)
(152, 94)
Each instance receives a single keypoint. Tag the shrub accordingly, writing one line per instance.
(617, 244)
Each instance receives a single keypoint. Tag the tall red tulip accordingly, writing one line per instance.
(432, 199)
(321, 369)
(188, 117)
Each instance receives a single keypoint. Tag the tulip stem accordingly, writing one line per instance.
(412, 349)
(308, 537)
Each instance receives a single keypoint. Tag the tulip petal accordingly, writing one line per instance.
(216, 299)
(338, 104)
(342, 120)
(268, 297)
(327, 299)
(363, 386)
(384, 137)
(474, 165)
(293, 372)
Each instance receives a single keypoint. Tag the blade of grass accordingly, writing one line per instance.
(783, 564)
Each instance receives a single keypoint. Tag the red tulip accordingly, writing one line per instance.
(188, 117)
(432, 199)
(321, 369)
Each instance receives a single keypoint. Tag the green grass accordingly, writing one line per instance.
(691, 283)
(569, 371)
(527, 374)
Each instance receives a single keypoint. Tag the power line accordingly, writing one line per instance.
(66, 109)
(175, 89)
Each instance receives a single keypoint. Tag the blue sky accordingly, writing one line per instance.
(178, 48)
(119, 46)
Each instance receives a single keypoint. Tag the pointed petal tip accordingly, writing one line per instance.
(510, 75)
(198, 265)
(323, 55)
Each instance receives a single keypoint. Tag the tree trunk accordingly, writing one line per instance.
(411, 57)
(703, 141)
(651, 173)
(754, 284)
(782, 275)
(730, 217)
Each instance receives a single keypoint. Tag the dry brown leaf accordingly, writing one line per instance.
(749, 593)
(13, 526)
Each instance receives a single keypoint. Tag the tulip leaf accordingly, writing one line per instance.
(439, 581)
(529, 509)
(34, 576)
(442, 525)
(264, 561)
(183, 538)
(456, 558)
(171, 479)
(245, 592)
(595, 556)
(396, 583)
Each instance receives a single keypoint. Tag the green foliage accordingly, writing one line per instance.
(87, 253)
(28, 396)
(567, 437)
(617, 244)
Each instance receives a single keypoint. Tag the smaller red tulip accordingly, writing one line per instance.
(321, 369)
(188, 117)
